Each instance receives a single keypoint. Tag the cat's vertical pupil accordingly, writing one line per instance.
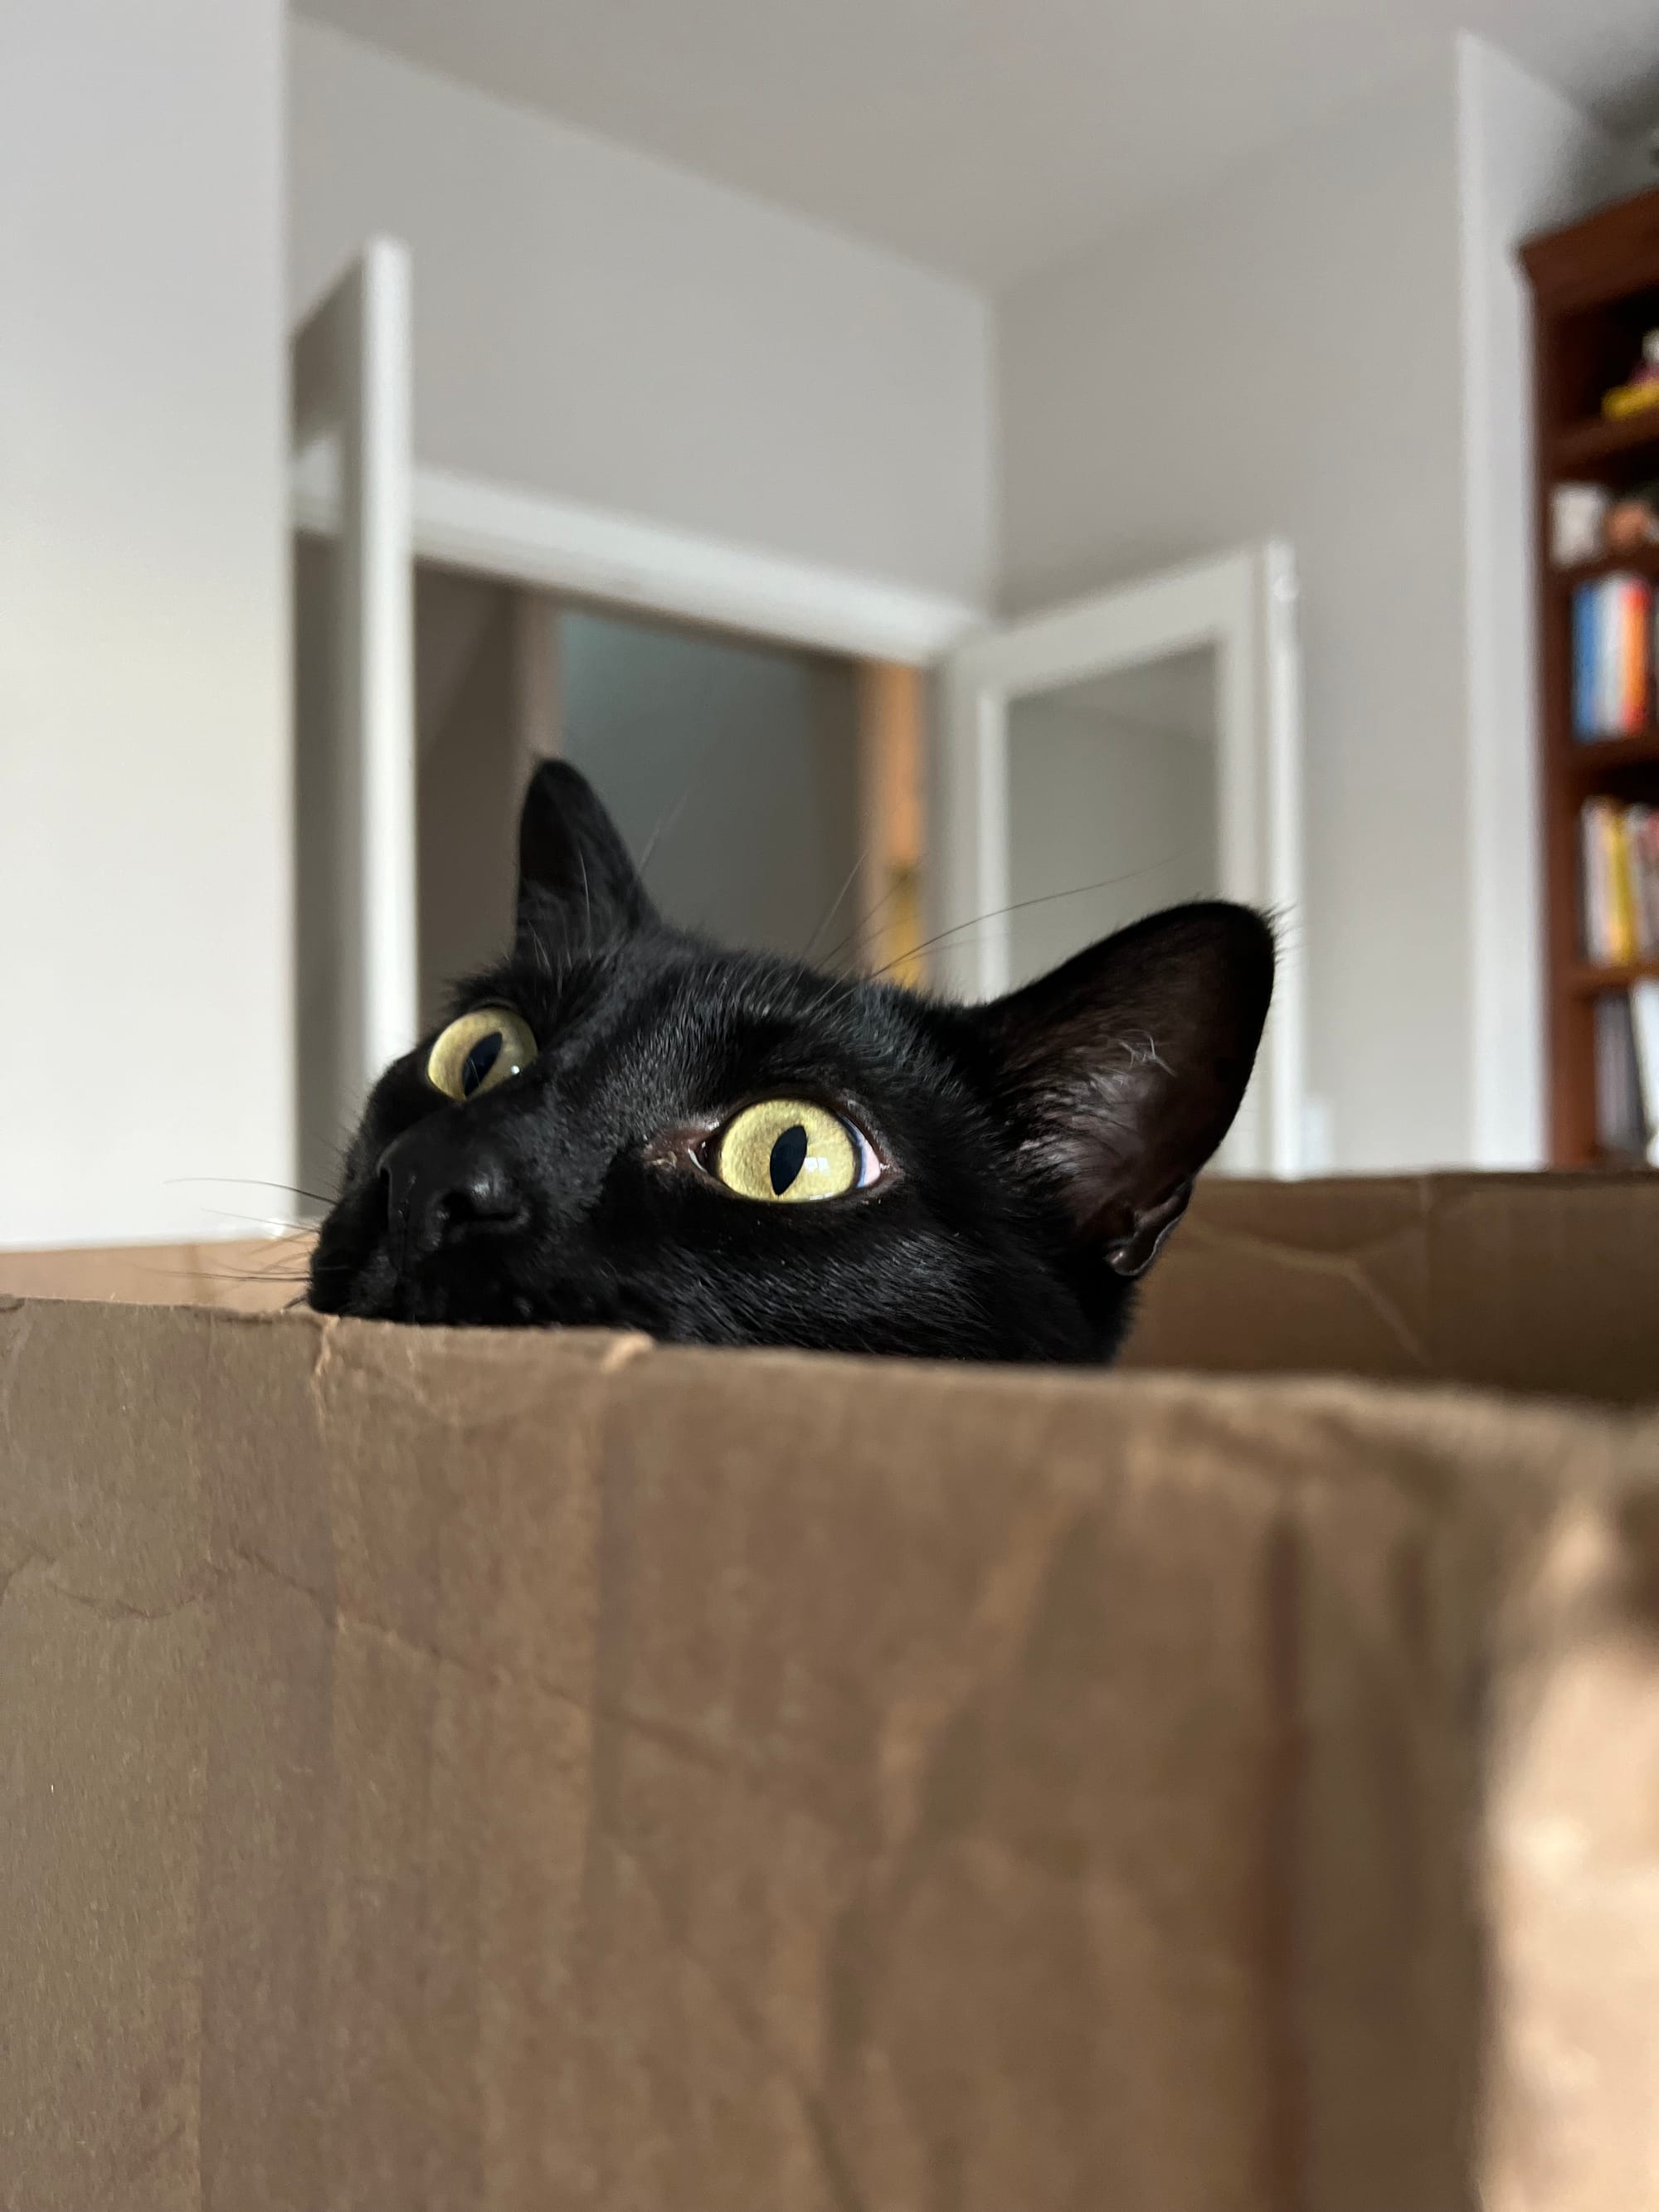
(787, 1154)
(479, 1061)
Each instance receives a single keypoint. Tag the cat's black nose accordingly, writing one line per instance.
(437, 1192)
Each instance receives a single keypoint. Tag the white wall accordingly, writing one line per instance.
(591, 324)
(1529, 159)
(1281, 354)
(144, 911)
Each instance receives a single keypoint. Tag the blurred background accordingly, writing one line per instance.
(956, 474)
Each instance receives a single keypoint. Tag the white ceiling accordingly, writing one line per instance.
(983, 137)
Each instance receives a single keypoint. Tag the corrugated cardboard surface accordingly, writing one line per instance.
(1571, 1874)
(1546, 1284)
(508, 1771)
(253, 1274)
(1535, 1283)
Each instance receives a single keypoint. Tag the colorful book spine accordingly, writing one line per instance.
(1613, 657)
(1590, 880)
(1584, 606)
(1621, 899)
(1643, 830)
(1621, 1126)
(1607, 646)
(1633, 689)
(1619, 868)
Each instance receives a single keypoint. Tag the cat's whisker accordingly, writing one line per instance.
(668, 820)
(865, 920)
(665, 824)
(255, 1282)
(277, 1226)
(249, 1182)
(853, 875)
(1020, 906)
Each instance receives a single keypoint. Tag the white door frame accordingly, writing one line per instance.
(1243, 604)
(594, 553)
(351, 369)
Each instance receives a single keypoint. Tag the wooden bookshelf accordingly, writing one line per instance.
(1586, 982)
(1595, 764)
(1639, 559)
(1582, 448)
(1596, 291)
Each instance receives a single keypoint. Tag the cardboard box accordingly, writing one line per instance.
(509, 1771)
(1542, 1283)
(262, 1274)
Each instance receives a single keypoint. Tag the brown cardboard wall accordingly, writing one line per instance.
(1572, 1862)
(254, 1275)
(1545, 1284)
(1542, 1283)
(514, 1772)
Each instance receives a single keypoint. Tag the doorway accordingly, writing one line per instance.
(770, 794)
(733, 768)
(729, 767)
(1129, 752)
(1111, 805)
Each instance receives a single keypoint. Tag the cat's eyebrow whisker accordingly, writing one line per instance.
(1019, 906)
(669, 815)
(587, 903)
(853, 875)
(665, 822)
(865, 920)
(900, 881)
(538, 951)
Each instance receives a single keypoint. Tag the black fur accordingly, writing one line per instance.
(1036, 1151)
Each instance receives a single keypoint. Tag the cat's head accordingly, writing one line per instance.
(624, 1125)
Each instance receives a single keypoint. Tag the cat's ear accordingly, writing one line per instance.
(1124, 1068)
(576, 881)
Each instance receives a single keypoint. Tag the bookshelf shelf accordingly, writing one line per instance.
(1596, 291)
(1590, 982)
(1640, 560)
(1590, 756)
(1584, 444)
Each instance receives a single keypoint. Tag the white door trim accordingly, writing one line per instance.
(352, 403)
(592, 552)
(1243, 605)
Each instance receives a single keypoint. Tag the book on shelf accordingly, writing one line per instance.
(1644, 1031)
(1619, 846)
(1627, 1072)
(1579, 517)
(1613, 657)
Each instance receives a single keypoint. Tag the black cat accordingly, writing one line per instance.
(626, 1126)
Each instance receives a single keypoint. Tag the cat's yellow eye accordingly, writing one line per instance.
(784, 1151)
(479, 1051)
